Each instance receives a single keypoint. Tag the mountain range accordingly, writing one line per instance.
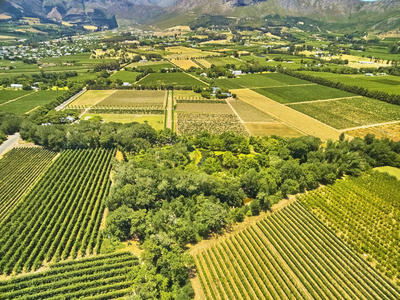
(379, 14)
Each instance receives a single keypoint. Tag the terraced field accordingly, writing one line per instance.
(60, 217)
(99, 277)
(288, 255)
(19, 170)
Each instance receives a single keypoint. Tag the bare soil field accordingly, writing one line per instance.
(299, 121)
(249, 113)
(391, 131)
(268, 129)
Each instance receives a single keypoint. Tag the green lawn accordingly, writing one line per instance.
(349, 113)
(170, 78)
(30, 102)
(292, 94)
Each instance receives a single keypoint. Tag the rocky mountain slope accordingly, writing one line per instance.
(379, 14)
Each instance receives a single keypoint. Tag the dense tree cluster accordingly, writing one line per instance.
(167, 197)
(43, 80)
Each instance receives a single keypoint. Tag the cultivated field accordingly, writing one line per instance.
(365, 213)
(388, 83)
(154, 65)
(203, 62)
(292, 94)
(30, 102)
(170, 79)
(19, 170)
(184, 63)
(192, 123)
(181, 52)
(390, 131)
(349, 113)
(135, 98)
(268, 129)
(99, 277)
(249, 113)
(156, 121)
(90, 98)
(125, 76)
(222, 61)
(7, 95)
(204, 108)
(288, 255)
(260, 81)
(60, 217)
(287, 115)
(187, 95)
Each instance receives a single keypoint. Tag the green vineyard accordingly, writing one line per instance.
(289, 255)
(60, 217)
(365, 213)
(98, 277)
(19, 169)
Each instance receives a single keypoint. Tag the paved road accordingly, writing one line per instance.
(10, 143)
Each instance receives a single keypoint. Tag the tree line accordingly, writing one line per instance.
(378, 95)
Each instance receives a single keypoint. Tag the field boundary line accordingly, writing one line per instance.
(169, 110)
(235, 229)
(240, 119)
(262, 123)
(12, 100)
(142, 78)
(371, 125)
(281, 86)
(65, 103)
(322, 100)
(196, 78)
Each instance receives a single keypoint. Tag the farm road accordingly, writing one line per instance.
(371, 125)
(10, 143)
(169, 110)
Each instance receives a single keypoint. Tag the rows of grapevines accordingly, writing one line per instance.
(61, 215)
(99, 277)
(19, 169)
(289, 255)
(365, 213)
